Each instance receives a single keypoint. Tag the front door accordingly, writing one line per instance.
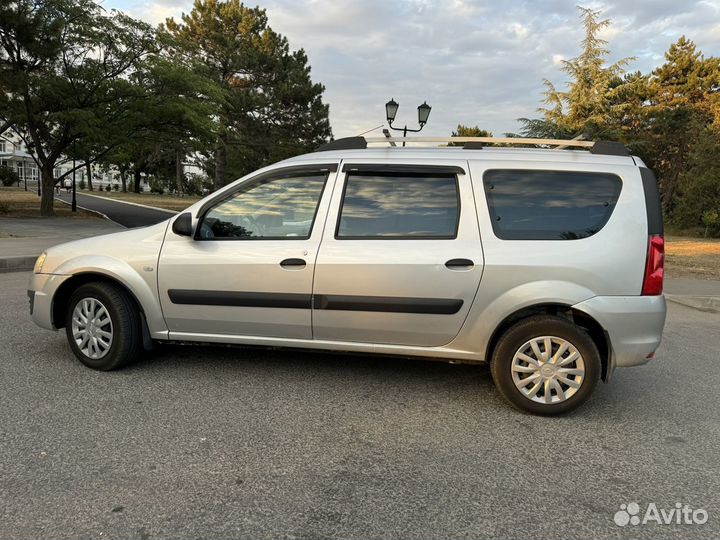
(249, 268)
(401, 259)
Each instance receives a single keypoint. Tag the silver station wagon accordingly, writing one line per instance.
(547, 263)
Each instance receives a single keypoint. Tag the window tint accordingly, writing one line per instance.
(549, 205)
(282, 207)
(405, 205)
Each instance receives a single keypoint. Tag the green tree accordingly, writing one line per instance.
(698, 189)
(174, 118)
(585, 107)
(270, 108)
(682, 102)
(64, 67)
(468, 131)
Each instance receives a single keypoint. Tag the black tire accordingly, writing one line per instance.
(127, 343)
(537, 326)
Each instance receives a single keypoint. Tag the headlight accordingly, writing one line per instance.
(39, 263)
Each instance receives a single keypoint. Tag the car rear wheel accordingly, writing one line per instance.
(546, 365)
(103, 328)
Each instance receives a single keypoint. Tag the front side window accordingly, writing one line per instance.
(282, 207)
(549, 205)
(399, 205)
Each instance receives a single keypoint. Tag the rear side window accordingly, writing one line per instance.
(399, 205)
(549, 205)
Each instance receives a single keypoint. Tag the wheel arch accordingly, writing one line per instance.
(597, 333)
(64, 292)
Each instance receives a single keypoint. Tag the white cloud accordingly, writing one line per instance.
(474, 61)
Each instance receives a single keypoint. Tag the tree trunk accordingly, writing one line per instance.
(179, 171)
(123, 180)
(88, 169)
(136, 176)
(220, 164)
(47, 197)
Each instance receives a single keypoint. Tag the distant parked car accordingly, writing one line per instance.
(546, 263)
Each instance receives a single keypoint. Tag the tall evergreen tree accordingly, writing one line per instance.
(586, 105)
(270, 107)
(682, 102)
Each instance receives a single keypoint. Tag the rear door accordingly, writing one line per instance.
(400, 260)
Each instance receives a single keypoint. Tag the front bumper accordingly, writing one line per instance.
(634, 325)
(41, 290)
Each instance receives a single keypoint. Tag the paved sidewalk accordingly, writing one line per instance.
(702, 294)
(22, 240)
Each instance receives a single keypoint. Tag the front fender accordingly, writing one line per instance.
(140, 278)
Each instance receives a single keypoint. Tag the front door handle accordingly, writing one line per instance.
(459, 263)
(293, 263)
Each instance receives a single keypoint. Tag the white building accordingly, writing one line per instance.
(14, 154)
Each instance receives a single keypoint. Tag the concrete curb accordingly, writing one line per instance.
(173, 212)
(17, 264)
(702, 303)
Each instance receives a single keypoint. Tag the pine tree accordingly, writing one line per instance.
(270, 108)
(586, 105)
(682, 101)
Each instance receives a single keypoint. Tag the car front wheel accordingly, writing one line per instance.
(103, 328)
(546, 365)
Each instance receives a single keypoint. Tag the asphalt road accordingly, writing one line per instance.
(226, 443)
(129, 215)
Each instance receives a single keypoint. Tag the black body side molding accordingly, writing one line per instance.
(384, 304)
(387, 304)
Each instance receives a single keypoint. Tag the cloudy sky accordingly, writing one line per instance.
(476, 62)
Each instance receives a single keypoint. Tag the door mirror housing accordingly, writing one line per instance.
(183, 225)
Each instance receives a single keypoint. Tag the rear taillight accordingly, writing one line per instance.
(655, 266)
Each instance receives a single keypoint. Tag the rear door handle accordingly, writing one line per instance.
(459, 263)
(293, 263)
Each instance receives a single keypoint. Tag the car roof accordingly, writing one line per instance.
(487, 153)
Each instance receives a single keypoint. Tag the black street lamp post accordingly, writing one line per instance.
(391, 108)
(73, 206)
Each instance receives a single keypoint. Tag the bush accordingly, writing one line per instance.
(81, 184)
(156, 186)
(116, 187)
(197, 184)
(711, 220)
(8, 177)
(108, 187)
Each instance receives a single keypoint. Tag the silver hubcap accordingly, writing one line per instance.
(548, 369)
(92, 328)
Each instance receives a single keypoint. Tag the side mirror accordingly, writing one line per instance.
(183, 224)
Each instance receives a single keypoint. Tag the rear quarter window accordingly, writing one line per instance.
(549, 205)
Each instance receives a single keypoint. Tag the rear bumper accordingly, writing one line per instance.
(41, 290)
(634, 325)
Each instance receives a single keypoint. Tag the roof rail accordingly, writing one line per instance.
(600, 147)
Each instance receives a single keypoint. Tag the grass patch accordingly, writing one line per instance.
(168, 202)
(692, 257)
(17, 203)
